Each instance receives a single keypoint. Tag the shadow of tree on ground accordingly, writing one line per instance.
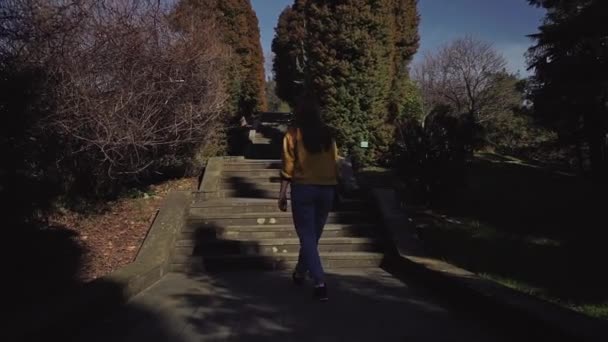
(534, 228)
(365, 305)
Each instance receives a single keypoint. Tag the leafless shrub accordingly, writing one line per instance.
(129, 91)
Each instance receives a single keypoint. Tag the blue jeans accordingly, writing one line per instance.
(310, 207)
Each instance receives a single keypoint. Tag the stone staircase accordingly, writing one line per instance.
(238, 225)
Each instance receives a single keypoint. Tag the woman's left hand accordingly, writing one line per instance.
(283, 195)
(283, 202)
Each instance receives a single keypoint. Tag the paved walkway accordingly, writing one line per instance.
(365, 305)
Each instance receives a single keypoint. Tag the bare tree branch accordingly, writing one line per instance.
(461, 74)
(128, 88)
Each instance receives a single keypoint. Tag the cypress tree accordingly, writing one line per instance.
(354, 55)
(240, 30)
(288, 47)
(405, 101)
(349, 51)
(256, 82)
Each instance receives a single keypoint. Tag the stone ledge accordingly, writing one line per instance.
(547, 319)
(212, 176)
(60, 315)
(347, 182)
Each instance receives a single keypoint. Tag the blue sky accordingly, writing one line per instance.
(504, 23)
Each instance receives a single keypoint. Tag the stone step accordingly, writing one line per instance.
(270, 131)
(249, 190)
(253, 161)
(274, 178)
(249, 186)
(271, 247)
(257, 151)
(249, 173)
(241, 160)
(261, 140)
(230, 262)
(193, 232)
(248, 193)
(270, 118)
(251, 205)
(198, 216)
(227, 195)
(236, 205)
(252, 165)
(261, 191)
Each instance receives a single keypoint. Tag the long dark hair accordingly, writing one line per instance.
(317, 137)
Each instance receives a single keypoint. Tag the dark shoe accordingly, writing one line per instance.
(320, 293)
(297, 278)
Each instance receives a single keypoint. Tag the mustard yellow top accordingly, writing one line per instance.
(302, 167)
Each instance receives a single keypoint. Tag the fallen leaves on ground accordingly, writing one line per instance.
(112, 239)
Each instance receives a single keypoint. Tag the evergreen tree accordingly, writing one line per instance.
(240, 30)
(354, 55)
(349, 48)
(240, 26)
(405, 101)
(288, 46)
(275, 104)
(570, 61)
